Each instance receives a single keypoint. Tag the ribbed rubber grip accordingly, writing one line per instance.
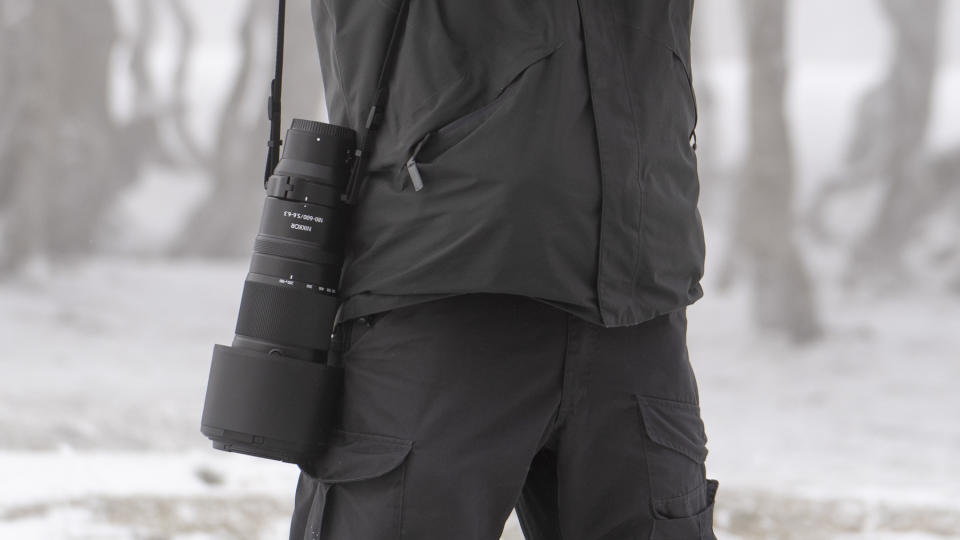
(286, 315)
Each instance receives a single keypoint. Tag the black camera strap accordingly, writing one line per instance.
(273, 102)
(374, 116)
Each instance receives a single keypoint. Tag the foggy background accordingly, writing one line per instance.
(132, 147)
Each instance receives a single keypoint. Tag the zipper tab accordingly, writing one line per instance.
(411, 164)
(414, 174)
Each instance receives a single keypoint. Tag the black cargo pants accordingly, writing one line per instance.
(458, 410)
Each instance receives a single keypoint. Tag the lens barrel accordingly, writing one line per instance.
(272, 393)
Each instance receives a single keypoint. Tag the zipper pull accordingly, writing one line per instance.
(414, 174)
(411, 164)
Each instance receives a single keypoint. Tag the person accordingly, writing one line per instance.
(517, 269)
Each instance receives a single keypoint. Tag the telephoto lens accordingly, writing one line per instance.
(273, 393)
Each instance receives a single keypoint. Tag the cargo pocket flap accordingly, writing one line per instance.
(351, 457)
(675, 425)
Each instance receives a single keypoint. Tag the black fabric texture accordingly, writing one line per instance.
(458, 410)
(558, 164)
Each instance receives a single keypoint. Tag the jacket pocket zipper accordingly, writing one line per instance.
(464, 125)
(693, 95)
(411, 164)
(468, 122)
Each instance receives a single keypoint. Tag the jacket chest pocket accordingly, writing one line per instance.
(460, 52)
(440, 140)
(456, 61)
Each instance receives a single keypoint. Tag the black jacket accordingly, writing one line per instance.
(552, 141)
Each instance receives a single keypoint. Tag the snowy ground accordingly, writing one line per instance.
(104, 367)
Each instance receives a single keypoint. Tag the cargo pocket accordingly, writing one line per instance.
(356, 488)
(675, 450)
(696, 527)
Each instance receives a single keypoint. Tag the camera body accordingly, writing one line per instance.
(273, 393)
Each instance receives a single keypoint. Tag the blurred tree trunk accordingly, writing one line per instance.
(226, 223)
(177, 111)
(11, 100)
(891, 136)
(763, 229)
(60, 147)
(887, 146)
(142, 133)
